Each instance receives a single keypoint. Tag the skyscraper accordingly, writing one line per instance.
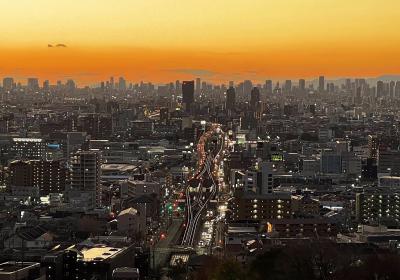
(397, 90)
(277, 89)
(268, 86)
(373, 145)
(302, 85)
(348, 84)
(8, 83)
(321, 84)
(380, 89)
(177, 87)
(187, 94)
(70, 85)
(267, 170)
(33, 84)
(288, 86)
(358, 97)
(164, 115)
(198, 86)
(331, 87)
(204, 86)
(254, 97)
(230, 98)
(85, 175)
(122, 83)
(391, 89)
(46, 85)
(247, 87)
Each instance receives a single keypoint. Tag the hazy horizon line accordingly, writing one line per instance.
(207, 79)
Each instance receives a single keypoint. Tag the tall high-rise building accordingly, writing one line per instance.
(33, 84)
(268, 86)
(391, 89)
(204, 86)
(8, 83)
(198, 86)
(331, 87)
(46, 85)
(302, 85)
(348, 84)
(162, 90)
(267, 177)
(47, 176)
(373, 145)
(51, 175)
(96, 125)
(230, 98)
(112, 82)
(288, 86)
(178, 87)
(360, 83)
(380, 89)
(321, 84)
(20, 174)
(378, 206)
(397, 90)
(254, 97)
(85, 172)
(388, 162)
(358, 96)
(247, 88)
(330, 163)
(164, 115)
(121, 83)
(187, 94)
(70, 85)
(277, 89)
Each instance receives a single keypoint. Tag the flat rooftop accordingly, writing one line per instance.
(118, 167)
(99, 253)
(233, 229)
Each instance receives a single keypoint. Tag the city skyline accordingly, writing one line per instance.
(314, 81)
(155, 40)
(199, 140)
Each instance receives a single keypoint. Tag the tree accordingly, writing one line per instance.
(229, 270)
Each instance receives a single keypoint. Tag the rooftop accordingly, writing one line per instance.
(98, 252)
(118, 167)
(27, 140)
(130, 210)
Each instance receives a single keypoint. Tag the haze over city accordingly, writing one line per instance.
(160, 40)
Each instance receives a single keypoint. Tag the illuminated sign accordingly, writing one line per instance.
(276, 157)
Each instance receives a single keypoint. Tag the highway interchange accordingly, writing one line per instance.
(203, 186)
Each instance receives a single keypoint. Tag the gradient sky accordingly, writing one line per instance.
(163, 40)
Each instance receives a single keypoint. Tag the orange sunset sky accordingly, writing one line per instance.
(164, 40)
